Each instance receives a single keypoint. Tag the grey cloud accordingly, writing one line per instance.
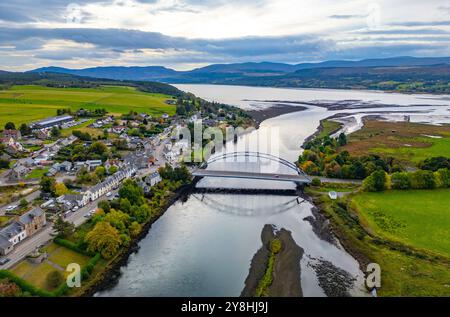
(131, 39)
(422, 23)
(347, 16)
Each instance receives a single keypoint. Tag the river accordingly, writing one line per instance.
(203, 246)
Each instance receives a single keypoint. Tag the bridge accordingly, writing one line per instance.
(300, 177)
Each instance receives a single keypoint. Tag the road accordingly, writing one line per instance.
(30, 197)
(338, 180)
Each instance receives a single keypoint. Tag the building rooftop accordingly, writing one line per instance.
(52, 120)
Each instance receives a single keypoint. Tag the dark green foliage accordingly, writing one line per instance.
(376, 182)
(10, 126)
(435, 163)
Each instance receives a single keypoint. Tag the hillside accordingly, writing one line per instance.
(405, 74)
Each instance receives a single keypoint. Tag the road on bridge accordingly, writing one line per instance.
(249, 175)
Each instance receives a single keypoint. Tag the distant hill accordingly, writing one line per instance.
(397, 70)
(8, 79)
(115, 72)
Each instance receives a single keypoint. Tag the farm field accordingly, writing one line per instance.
(25, 104)
(408, 142)
(418, 218)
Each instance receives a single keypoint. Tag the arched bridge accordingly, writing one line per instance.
(299, 177)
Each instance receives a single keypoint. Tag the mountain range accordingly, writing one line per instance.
(226, 72)
(405, 74)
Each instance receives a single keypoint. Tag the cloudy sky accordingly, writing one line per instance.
(184, 34)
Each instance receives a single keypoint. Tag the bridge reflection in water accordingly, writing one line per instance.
(213, 202)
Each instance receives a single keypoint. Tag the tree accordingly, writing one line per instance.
(105, 205)
(100, 171)
(375, 182)
(23, 203)
(10, 126)
(104, 238)
(118, 219)
(133, 192)
(422, 179)
(135, 229)
(54, 279)
(24, 129)
(400, 180)
(55, 132)
(125, 205)
(63, 228)
(47, 185)
(113, 169)
(342, 140)
(60, 189)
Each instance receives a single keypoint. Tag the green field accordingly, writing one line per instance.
(25, 104)
(418, 218)
(37, 173)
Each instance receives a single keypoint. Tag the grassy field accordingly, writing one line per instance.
(37, 173)
(408, 142)
(419, 218)
(24, 104)
(404, 271)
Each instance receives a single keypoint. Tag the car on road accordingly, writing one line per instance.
(11, 208)
(3, 261)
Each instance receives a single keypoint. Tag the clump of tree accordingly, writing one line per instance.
(435, 163)
(420, 179)
(83, 136)
(103, 238)
(177, 174)
(10, 126)
(321, 157)
(55, 132)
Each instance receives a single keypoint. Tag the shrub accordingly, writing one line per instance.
(422, 180)
(54, 279)
(316, 182)
(400, 180)
(375, 182)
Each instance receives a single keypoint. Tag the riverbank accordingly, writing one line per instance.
(273, 111)
(109, 276)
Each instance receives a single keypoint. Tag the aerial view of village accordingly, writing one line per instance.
(257, 162)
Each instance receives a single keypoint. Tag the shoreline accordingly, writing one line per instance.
(273, 111)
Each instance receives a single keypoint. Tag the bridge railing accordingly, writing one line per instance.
(271, 157)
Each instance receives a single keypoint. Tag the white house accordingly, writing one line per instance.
(332, 195)
(153, 179)
(10, 236)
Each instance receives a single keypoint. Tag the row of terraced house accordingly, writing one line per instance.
(95, 192)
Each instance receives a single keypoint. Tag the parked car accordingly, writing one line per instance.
(108, 194)
(11, 208)
(75, 208)
(3, 261)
